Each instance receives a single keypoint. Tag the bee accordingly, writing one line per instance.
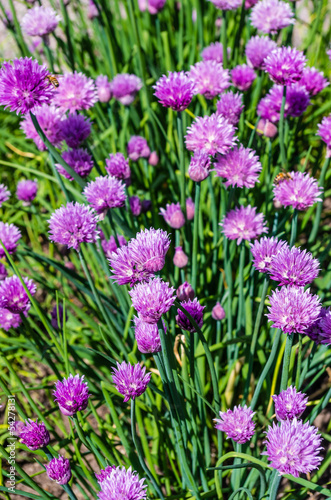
(53, 80)
(281, 177)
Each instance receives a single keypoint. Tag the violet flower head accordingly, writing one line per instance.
(9, 320)
(226, 4)
(173, 215)
(76, 91)
(40, 21)
(147, 336)
(297, 99)
(122, 483)
(135, 205)
(180, 258)
(57, 319)
(126, 269)
(151, 299)
(293, 309)
(241, 167)
(138, 148)
(71, 395)
(190, 208)
(104, 473)
(49, 119)
(285, 65)
(314, 331)
(242, 77)
(79, 160)
(185, 292)
(174, 91)
(266, 128)
(9, 235)
(153, 159)
(73, 224)
(92, 11)
(58, 469)
(103, 88)
(199, 168)
(149, 248)
(26, 191)
(210, 78)
(3, 272)
(212, 133)
(257, 49)
(218, 312)
(214, 52)
(313, 80)
(292, 266)
(300, 192)
(130, 380)
(155, 6)
(293, 447)
(270, 16)
(289, 404)
(195, 309)
(243, 223)
(124, 88)
(24, 85)
(118, 166)
(13, 295)
(110, 246)
(230, 106)
(264, 250)
(75, 129)
(104, 193)
(34, 435)
(324, 131)
(325, 327)
(4, 194)
(237, 424)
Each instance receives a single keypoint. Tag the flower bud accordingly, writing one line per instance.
(153, 159)
(180, 258)
(218, 312)
(268, 128)
(185, 292)
(190, 207)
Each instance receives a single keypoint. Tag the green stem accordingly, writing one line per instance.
(214, 224)
(241, 308)
(318, 214)
(281, 131)
(298, 373)
(274, 485)
(18, 32)
(181, 161)
(294, 227)
(68, 490)
(224, 39)
(286, 361)
(195, 236)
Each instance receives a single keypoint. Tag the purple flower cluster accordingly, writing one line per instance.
(238, 423)
(258, 49)
(175, 91)
(313, 80)
(320, 330)
(138, 148)
(118, 166)
(40, 21)
(300, 192)
(185, 292)
(13, 295)
(9, 320)
(124, 88)
(230, 106)
(214, 52)
(9, 235)
(173, 215)
(147, 336)
(75, 129)
(49, 119)
(242, 77)
(110, 246)
(120, 482)
(269, 16)
(34, 435)
(4, 194)
(241, 167)
(130, 380)
(26, 191)
(199, 168)
(324, 131)
(297, 101)
(289, 404)
(264, 250)
(195, 309)
(79, 160)
(76, 91)
(285, 65)
(104, 193)
(243, 223)
(71, 394)
(59, 470)
(292, 266)
(210, 78)
(214, 134)
(152, 298)
(103, 88)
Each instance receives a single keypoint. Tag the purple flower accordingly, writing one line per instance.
(56, 318)
(297, 101)
(313, 80)
(34, 435)
(289, 404)
(138, 148)
(121, 482)
(199, 167)
(257, 49)
(210, 78)
(71, 394)
(195, 309)
(135, 205)
(180, 258)
(314, 331)
(104, 473)
(24, 85)
(230, 106)
(243, 223)
(214, 52)
(76, 91)
(185, 292)
(124, 88)
(173, 215)
(218, 312)
(49, 119)
(103, 88)
(285, 65)
(155, 6)
(242, 76)
(325, 327)
(79, 160)
(75, 129)
(130, 380)
(104, 193)
(4, 194)
(126, 269)
(266, 128)
(110, 246)
(241, 167)
(226, 4)
(40, 21)
(291, 266)
(152, 299)
(9, 235)
(212, 133)
(237, 424)
(72, 225)
(190, 208)
(26, 191)
(147, 336)
(153, 159)
(300, 192)
(13, 295)
(270, 16)
(175, 90)
(9, 320)
(324, 131)
(3, 271)
(264, 250)
(149, 248)
(293, 309)
(59, 470)
(293, 447)
(118, 166)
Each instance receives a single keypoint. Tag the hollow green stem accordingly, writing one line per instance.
(224, 39)
(286, 361)
(181, 161)
(318, 214)
(298, 372)
(281, 131)
(195, 236)
(294, 227)
(275, 482)
(241, 308)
